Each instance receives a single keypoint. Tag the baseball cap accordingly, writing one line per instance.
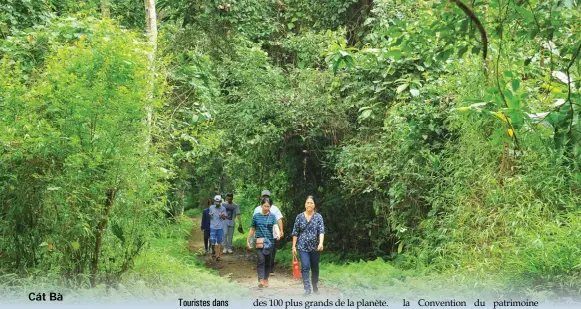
(217, 198)
(265, 192)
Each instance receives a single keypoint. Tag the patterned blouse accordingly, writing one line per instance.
(308, 233)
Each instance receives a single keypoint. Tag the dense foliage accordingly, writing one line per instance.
(435, 134)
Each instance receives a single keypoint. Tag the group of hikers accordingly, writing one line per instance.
(266, 230)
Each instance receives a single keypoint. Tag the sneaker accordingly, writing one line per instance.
(316, 291)
(230, 251)
(225, 250)
(307, 293)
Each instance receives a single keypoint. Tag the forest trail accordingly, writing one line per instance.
(240, 267)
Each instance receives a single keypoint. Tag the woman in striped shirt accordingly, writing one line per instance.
(262, 226)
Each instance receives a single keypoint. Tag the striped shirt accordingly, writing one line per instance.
(263, 225)
(273, 210)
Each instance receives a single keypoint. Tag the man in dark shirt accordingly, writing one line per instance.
(205, 226)
(233, 212)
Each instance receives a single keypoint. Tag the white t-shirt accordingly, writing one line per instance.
(273, 209)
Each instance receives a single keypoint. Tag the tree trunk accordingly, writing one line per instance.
(151, 22)
(98, 239)
(105, 12)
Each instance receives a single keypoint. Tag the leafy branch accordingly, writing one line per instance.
(478, 24)
(569, 83)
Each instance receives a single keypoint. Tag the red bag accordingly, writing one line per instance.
(296, 268)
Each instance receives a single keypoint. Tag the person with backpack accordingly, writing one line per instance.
(308, 236)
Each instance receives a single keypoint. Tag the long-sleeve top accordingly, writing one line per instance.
(206, 219)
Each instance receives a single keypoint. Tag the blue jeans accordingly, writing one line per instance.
(310, 261)
(216, 236)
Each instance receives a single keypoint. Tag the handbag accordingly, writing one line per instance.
(296, 268)
(259, 243)
(267, 250)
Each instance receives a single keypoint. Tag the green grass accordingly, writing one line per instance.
(168, 266)
(193, 212)
(165, 271)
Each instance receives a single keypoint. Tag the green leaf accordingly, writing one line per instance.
(525, 13)
(396, 54)
(349, 61)
(513, 103)
(365, 114)
(75, 245)
(118, 231)
(337, 64)
(445, 54)
(516, 118)
(462, 51)
(515, 85)
(401, 88)
(290, 26)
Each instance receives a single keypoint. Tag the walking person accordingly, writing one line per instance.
(217, 220)
(308, 236)
(278, 215)
(262, 226)
(232, 211)
(205, 226)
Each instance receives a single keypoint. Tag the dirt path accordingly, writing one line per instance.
(240, 266)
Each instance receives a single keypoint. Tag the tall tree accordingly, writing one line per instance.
(105, 11)
(151, 25)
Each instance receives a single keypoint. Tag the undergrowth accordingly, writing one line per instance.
(166, 271)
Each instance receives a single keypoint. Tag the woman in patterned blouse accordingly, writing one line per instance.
(308, 235)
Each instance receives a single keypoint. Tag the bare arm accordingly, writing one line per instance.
(295, 238)
(277, 232)
(250, 234)
(279, 222)
(321, 239)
